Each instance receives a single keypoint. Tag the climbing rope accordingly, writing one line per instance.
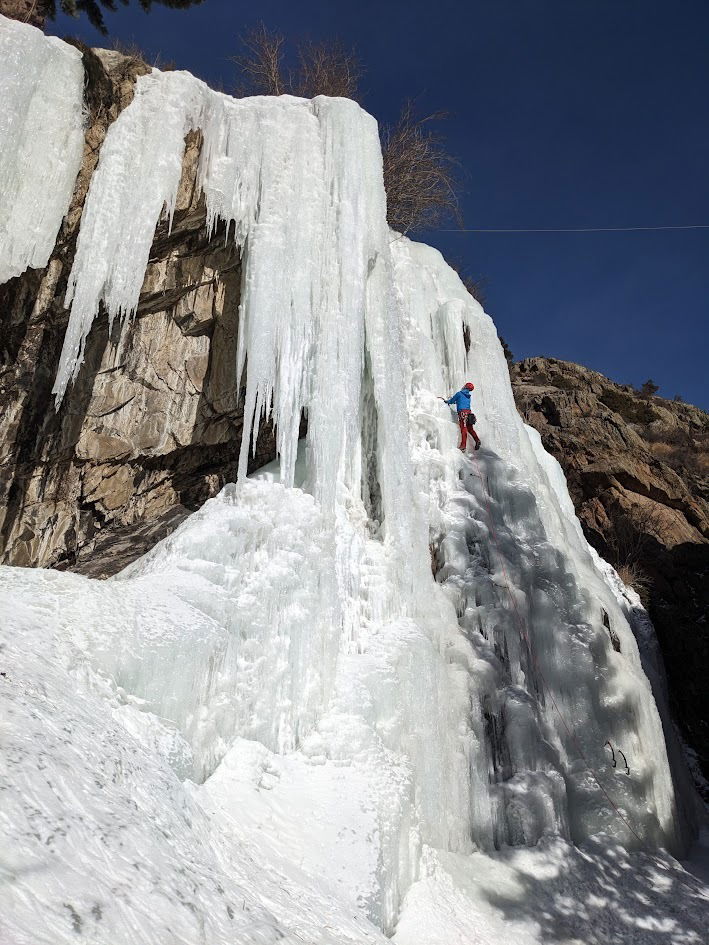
(525, 637)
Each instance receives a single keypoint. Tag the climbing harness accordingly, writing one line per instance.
(525, 637)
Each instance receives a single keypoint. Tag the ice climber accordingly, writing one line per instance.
(466, 418)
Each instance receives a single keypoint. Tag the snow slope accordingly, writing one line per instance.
(366, 693)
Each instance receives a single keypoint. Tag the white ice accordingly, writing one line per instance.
(41, 142)
(366, 693)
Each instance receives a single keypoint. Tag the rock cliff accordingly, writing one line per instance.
(152, 427)
(637, 470)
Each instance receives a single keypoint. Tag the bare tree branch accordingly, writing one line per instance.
(327, 68)
(261, 64)
(419, 174)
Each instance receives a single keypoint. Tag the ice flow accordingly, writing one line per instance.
(310, 714)
(41, 142)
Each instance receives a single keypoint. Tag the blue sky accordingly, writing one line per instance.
(563, 113)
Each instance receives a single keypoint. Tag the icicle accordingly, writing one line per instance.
(41, 142)
(333, 410)
(279, 171)
(137, 176)
(529, 593)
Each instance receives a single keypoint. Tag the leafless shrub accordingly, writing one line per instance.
(135, 61)
(475, 286)
(683, 459)
(633, 534)
(562, 382)
(419, 173)
(637, 578)
(164, 65)
(131, 50)
(507, 351)
(26, 11)
(629, 405)
(663, 451)
(683, 449)
(327, 68)
(674, 436)
(135, 56)
(260, 66)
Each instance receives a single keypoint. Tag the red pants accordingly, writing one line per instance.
(466, 427)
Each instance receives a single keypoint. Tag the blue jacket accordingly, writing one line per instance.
(461, 399)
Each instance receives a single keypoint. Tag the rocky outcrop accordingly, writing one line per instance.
(638, 473)
(26, 11)
(151, 428)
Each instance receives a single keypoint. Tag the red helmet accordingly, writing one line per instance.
(470, 386)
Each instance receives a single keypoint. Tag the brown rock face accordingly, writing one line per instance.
(152, 426)
(637, 471)
(26, 11)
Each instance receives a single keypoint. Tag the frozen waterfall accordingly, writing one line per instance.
(309, 715)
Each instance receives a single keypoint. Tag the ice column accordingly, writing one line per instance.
(41, 142)
(281, 165)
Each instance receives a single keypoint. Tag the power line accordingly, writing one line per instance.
(580, 229)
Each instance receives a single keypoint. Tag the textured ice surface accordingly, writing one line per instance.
(366, 693)
(596, 895)
(510, 522)
(41, 142)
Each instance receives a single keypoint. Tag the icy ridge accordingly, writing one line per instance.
(41, 142)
